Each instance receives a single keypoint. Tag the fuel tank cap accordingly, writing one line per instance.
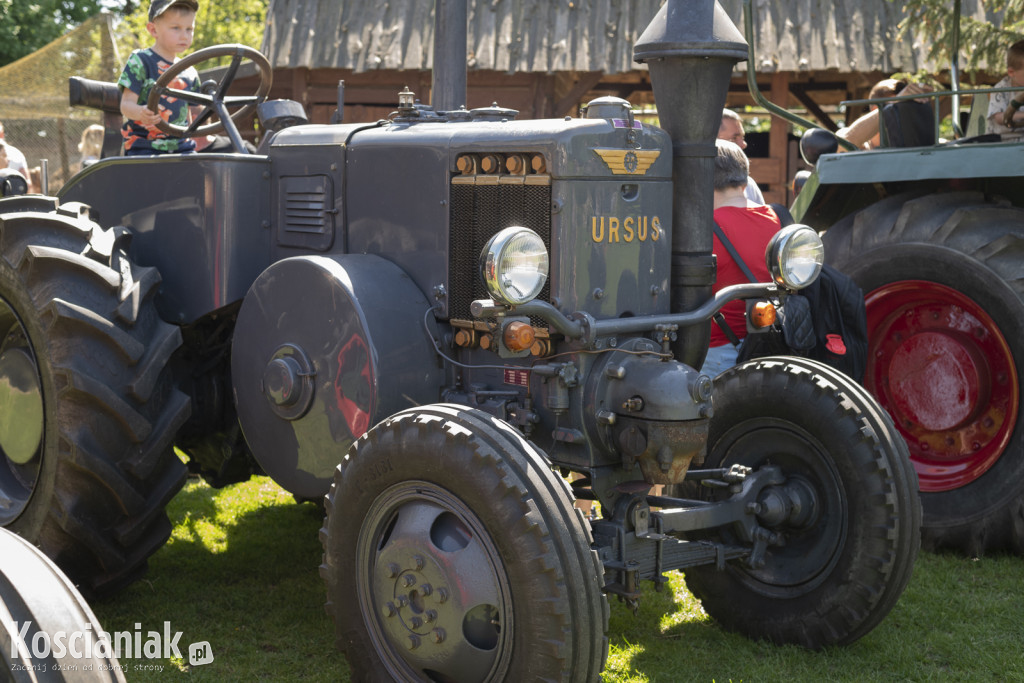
(493, 113)
(607, 107)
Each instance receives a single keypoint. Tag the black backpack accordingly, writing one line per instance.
(838, 316)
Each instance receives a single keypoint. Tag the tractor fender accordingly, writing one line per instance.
(326, 347)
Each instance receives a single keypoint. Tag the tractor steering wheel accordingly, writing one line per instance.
(213, 95)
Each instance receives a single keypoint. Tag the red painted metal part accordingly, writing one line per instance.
(939, 364)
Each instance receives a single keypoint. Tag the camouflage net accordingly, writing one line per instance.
(34, 95)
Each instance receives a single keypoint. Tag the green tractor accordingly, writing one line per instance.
(934, 235)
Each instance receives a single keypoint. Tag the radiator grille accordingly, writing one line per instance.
(479, 210)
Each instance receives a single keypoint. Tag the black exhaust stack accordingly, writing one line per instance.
(448, 86)
(691, 47)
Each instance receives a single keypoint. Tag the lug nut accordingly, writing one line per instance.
(418, 562)
(430, 615)
(402, 601)
(426, 589)
(389, 610)
(408, 580)
(442, 595)
(392, 570)
(414, 641)
(416, 622)
(439, 635)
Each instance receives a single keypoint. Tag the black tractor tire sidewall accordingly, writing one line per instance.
(986, 514)
(878, 489)
(30, 522)
(92, 469)
(1004, 482)
(555, 541)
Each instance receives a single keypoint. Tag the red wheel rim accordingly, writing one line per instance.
(939, 364)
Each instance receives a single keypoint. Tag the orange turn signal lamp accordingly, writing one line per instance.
(519, 336)
(762, 314)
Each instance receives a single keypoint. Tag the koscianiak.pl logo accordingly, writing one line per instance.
(30, 644)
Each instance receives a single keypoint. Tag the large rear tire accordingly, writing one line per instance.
(943, 281)
(88, 410)
(847, 548)
(452, 552)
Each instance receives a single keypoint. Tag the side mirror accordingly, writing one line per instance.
(815, 142)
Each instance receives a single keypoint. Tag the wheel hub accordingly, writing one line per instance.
(794, 504)
(936, 381)
(21, 406)
(939, 364)
(437, 595)
(22, 417)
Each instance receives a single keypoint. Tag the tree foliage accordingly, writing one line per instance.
(217, 22)
(982, 43)
(26, 26)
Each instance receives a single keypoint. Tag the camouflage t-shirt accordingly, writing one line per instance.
(139, 75)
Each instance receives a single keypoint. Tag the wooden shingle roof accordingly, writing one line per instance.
(580, 35)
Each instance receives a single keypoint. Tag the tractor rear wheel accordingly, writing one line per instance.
(452, 552)
(88, 410)
(841, 555)
(945, 307)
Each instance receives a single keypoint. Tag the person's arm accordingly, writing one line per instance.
(1013, 116)
(133, 111)
(861, 131)
(864, 129)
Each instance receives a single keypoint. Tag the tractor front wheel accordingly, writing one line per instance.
(452, 552)
(843, 551)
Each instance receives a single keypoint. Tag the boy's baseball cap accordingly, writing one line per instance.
(158, 7)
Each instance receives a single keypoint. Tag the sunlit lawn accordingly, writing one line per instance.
(240, 572)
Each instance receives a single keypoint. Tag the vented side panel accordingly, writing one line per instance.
(305, 214)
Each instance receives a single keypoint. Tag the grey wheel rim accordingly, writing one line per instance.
(433, 590)
(21, 417)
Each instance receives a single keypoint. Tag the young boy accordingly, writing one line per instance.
(1004, 108)
(171, 23)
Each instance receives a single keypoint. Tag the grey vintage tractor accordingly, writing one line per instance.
(430, 322)
(934, 235)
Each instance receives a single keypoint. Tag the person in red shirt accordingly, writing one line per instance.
(749, 227)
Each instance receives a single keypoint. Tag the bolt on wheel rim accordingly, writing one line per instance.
(434, 592)
(21, 417)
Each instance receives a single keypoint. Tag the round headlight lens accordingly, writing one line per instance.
(514, 265)
(794, 256)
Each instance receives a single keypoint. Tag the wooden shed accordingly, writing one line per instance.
(547, 57)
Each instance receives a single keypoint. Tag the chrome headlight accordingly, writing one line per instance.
(794, 256)
(514, 266)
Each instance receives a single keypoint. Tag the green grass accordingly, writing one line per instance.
(240, 572)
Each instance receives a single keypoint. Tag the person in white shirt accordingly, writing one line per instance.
(1004, 108)
(15, 159)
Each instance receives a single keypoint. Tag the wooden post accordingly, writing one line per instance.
(777, 141)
